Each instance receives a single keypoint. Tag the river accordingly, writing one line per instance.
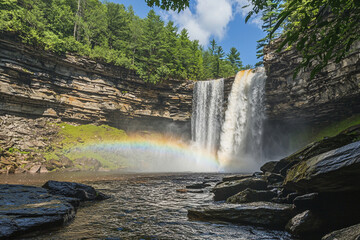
(142, 206)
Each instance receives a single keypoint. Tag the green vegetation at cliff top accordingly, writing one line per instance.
(110, 32)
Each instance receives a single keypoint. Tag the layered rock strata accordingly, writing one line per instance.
(37, 83)
(332, 93)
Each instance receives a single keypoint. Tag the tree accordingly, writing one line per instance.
(269, 16)
(176, 5)
(321, 30)
(234, 58)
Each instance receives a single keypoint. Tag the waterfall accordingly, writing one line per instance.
(207, 113)
(240, 140)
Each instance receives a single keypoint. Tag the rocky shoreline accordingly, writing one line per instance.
(312, 194)
(24, 209)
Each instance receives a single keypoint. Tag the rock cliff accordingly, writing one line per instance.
(36, 83)
(333, 93)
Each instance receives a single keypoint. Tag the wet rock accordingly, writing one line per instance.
(305, 224)
(270, 215)
(269, 166)
(273, 178)
(307, 201)
(226, 189)
(75, 190)
(291, 197)
(250, 195)
(198, 186)
(236, 177)
(313, 149)
(334, 171)
(349, 233)
(26, 208)
(181, 190)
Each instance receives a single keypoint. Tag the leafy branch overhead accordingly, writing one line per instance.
(175, 5)
(321, 30)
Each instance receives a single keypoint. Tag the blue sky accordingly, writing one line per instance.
(219, 19)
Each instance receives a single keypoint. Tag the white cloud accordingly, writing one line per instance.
(210, 18)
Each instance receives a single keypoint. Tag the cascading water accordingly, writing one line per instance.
(207, 114)
(240, 140)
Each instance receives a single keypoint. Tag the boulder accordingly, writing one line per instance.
(236, 177)
(75, 190)
(269, 166)
(226, 189)
(349, 233)
(273, 178)
(27, 208)
(334, 171)
(305, 224)
(251, 195)
(307, 201)
(313, 149)
(266, 214)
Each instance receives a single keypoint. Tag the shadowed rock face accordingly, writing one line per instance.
(349, 233)
(271, 215)
(226, 189)
(333, 94)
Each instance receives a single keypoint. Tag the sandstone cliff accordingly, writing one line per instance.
(37, 83)
(333, 94)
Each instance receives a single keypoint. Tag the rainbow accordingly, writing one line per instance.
(159, 153)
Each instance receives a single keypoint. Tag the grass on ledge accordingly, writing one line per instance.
(335, 128)
(72, 138)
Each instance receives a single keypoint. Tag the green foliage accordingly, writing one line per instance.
(216, 65)
(176, 5)
(269, 16)
(335, 128)
(109, 32)
(321, 30)
(72, 138)
(84, 134)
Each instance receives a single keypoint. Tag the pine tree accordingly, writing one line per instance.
(234, 58)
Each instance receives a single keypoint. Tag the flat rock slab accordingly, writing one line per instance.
(334, 171)
(349, 233)
(27, 208)
(75, 190)
(266, 214)
(236, 177)
(226, 189)
(251, 195)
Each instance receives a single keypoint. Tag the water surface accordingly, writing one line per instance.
(143, 206)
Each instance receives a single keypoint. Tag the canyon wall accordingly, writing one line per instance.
(35, 83)
(333, 94)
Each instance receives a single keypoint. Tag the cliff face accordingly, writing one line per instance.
(333, 93)
(36, 83)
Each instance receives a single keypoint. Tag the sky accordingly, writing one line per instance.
(223, 20)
